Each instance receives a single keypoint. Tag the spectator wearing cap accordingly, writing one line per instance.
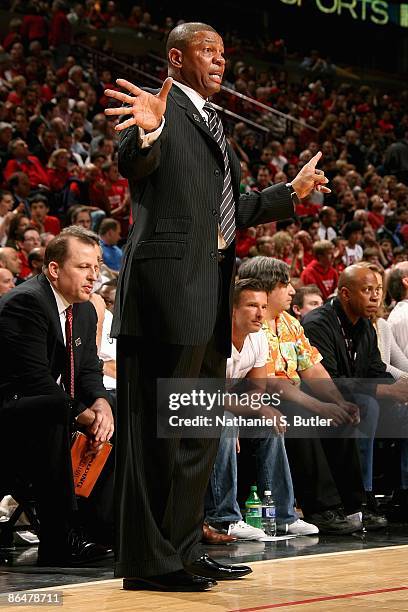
(320, 271)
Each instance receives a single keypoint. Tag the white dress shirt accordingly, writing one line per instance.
(62, 306)
(331, 233)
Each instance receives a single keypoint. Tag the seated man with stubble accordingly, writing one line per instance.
(250, 353)
(51, 383)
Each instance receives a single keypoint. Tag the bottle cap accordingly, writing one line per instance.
(267, 493)
(254, 488)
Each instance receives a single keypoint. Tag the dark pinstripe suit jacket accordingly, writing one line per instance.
(168, 283)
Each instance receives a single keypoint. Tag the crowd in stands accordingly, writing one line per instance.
(58, 160)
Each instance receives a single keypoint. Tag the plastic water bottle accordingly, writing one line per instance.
(253, 505)
(268, 514)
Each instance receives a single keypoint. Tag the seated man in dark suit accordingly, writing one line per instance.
(50, 378)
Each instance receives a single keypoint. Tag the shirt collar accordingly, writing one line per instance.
(191, 93)
(348, 326)
(62, 303)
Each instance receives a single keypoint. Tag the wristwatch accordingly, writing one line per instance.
(293, 194)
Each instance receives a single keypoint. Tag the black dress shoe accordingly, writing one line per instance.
(205, 566)
(174, 581)
(78, 552)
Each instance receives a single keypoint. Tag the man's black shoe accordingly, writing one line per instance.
(205, 566)
(331, 522)
(78, 552)
(174, 581)
(373, 520)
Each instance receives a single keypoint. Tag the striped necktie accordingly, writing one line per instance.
(70, 373)
(227, 207)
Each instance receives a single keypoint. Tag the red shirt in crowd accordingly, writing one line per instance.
(376, 220)
(244, 243)
(34, 27)
(25, 268)
(57, 178)
(60, 30)
(307, 209)
(31, 166)
(49, 224)
(326, 280)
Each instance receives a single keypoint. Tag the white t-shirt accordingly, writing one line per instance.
(353, 255)
(254, 354)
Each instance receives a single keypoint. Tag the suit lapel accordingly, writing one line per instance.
(196, 119)
(57, 361)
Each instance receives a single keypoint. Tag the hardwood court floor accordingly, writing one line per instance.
(364, 580)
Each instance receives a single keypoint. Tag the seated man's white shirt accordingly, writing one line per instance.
(398, 321)
(254, 354)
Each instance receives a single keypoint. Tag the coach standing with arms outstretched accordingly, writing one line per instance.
(173, 307)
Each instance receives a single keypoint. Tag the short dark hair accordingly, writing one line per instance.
(350, 228)
(58, 249)
(395, 286)
(107, 225)
(20, 236)
(247, 284)
(4, 192)
(180, 36)
(34, 255)
(269, 270)
(39, 197)
(299, 297)
(282, 225)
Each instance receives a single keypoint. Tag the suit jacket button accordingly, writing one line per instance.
(213, 255)
(217, 172)
(214, 212)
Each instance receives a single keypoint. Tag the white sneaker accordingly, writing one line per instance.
(243, 531)
(301, 528)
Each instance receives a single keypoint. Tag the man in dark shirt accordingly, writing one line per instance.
(343, 334)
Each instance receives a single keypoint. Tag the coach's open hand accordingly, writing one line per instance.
(147, 109)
